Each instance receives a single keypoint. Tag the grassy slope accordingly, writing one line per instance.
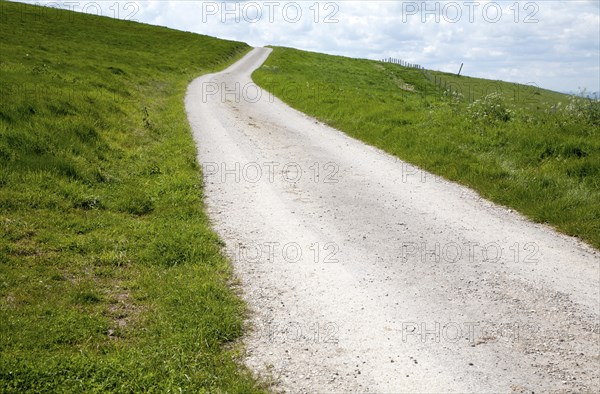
(543, 162)
(110, 278)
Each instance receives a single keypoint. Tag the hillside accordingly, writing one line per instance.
(110, 278)
(530, 149)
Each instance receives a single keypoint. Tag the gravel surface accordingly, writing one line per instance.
(366, 274)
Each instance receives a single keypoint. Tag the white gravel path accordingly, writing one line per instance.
(366, 274)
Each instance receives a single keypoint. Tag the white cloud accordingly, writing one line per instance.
(555, 44)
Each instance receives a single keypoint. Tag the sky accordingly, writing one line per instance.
(551, 44)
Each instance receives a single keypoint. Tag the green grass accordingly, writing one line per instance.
(110, 277)
(532, 149)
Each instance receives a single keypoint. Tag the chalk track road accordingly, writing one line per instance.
(365, 274)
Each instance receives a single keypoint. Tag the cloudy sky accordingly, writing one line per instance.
(554, 44)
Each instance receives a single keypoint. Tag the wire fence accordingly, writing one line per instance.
(528, 93)
(402, 63)
(442, 84)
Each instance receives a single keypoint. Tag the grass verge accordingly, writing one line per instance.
(110, 277)
(531, 149)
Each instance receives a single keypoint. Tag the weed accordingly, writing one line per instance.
(490, 109)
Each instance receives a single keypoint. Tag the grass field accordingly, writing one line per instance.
(531, 149)
(110, 278)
